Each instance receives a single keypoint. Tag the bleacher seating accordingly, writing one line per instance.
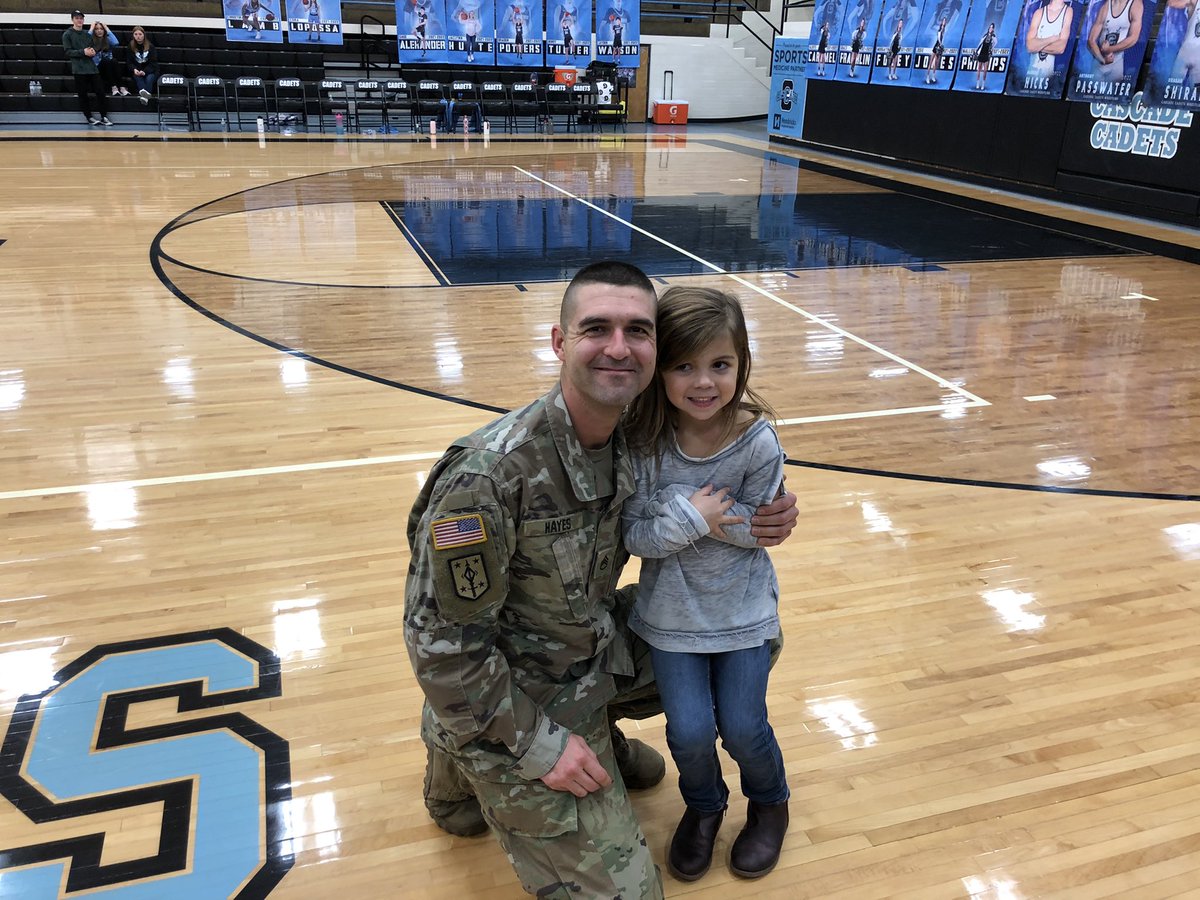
(214, 84)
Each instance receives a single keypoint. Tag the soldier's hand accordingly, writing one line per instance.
(773, 522)
(578, 770)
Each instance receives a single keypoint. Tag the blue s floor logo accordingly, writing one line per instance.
(222, 779)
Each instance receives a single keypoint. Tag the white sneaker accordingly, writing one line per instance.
(124, 93)
(94, 120)
(114, 92)
(106, 121)
(144, 94)
(145, 101)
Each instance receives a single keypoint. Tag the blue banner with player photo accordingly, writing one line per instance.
(314, 22)
(519, 33)
(568, 32)
(471, 32)
(823, 40)
(893, 44)
(421, 31)
(1112, 44)
(618, 31)
(1042, 52)
(938, 44)
(856, 40)
(987, 46)
(785, 107)
(1174, 76)
(253, 20)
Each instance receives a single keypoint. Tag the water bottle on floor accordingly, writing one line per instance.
(339, 126)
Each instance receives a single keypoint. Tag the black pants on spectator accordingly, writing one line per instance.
(90, 84)
(111, 74)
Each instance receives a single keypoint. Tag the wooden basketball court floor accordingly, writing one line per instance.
(227, 365)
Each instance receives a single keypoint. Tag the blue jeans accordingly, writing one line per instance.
(706, 694)
(146, 82)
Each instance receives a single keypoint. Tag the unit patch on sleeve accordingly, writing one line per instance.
(470, 576)
(458, 531)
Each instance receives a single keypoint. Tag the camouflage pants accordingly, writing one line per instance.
(559, 845)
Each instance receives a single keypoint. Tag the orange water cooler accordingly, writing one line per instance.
(670, 112)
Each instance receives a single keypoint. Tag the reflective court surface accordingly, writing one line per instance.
(226, 366)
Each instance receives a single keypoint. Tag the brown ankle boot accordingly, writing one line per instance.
(692, 846)
(756, 850)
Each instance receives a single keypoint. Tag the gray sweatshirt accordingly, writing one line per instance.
(701, 592)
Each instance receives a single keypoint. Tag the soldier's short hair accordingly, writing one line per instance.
(612, 272)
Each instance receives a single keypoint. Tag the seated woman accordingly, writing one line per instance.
(106, 45)
(143, 64)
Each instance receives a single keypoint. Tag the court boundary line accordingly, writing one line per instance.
(222, 476)
(1002, 485)
(330, 465)
(425, 255)
(972, 400)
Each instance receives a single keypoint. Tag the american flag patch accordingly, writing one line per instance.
(459, 531)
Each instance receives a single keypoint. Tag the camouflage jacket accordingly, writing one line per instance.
(509, 604)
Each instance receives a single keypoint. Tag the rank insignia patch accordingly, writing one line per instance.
(458, 531)
(470, 576)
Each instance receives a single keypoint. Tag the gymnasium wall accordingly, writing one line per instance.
(1102, 155)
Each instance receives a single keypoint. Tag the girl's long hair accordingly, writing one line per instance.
(99, 41)
(689, 319)
(133, 44)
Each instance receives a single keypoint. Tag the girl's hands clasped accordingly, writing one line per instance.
(712, 503)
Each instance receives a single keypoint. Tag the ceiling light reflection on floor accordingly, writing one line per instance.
(1010, 604)
(844, 718)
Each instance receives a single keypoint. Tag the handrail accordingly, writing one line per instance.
(742, 7)
(365, 45)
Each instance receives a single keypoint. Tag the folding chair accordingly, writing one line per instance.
(558, 101)
(496, 102)
(174, 102)
(431, 100)
(249, 99)
(291, 102)
(398, 99)
(368, 104)
(610, 105)
(464, 103)
(583, 98)
(333, 98)
(210, 101)
(525, 103)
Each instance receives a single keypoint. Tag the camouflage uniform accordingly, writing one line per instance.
(518, 638)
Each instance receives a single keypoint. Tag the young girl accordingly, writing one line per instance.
(705, 456)
(104, 42)
(143, 64)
